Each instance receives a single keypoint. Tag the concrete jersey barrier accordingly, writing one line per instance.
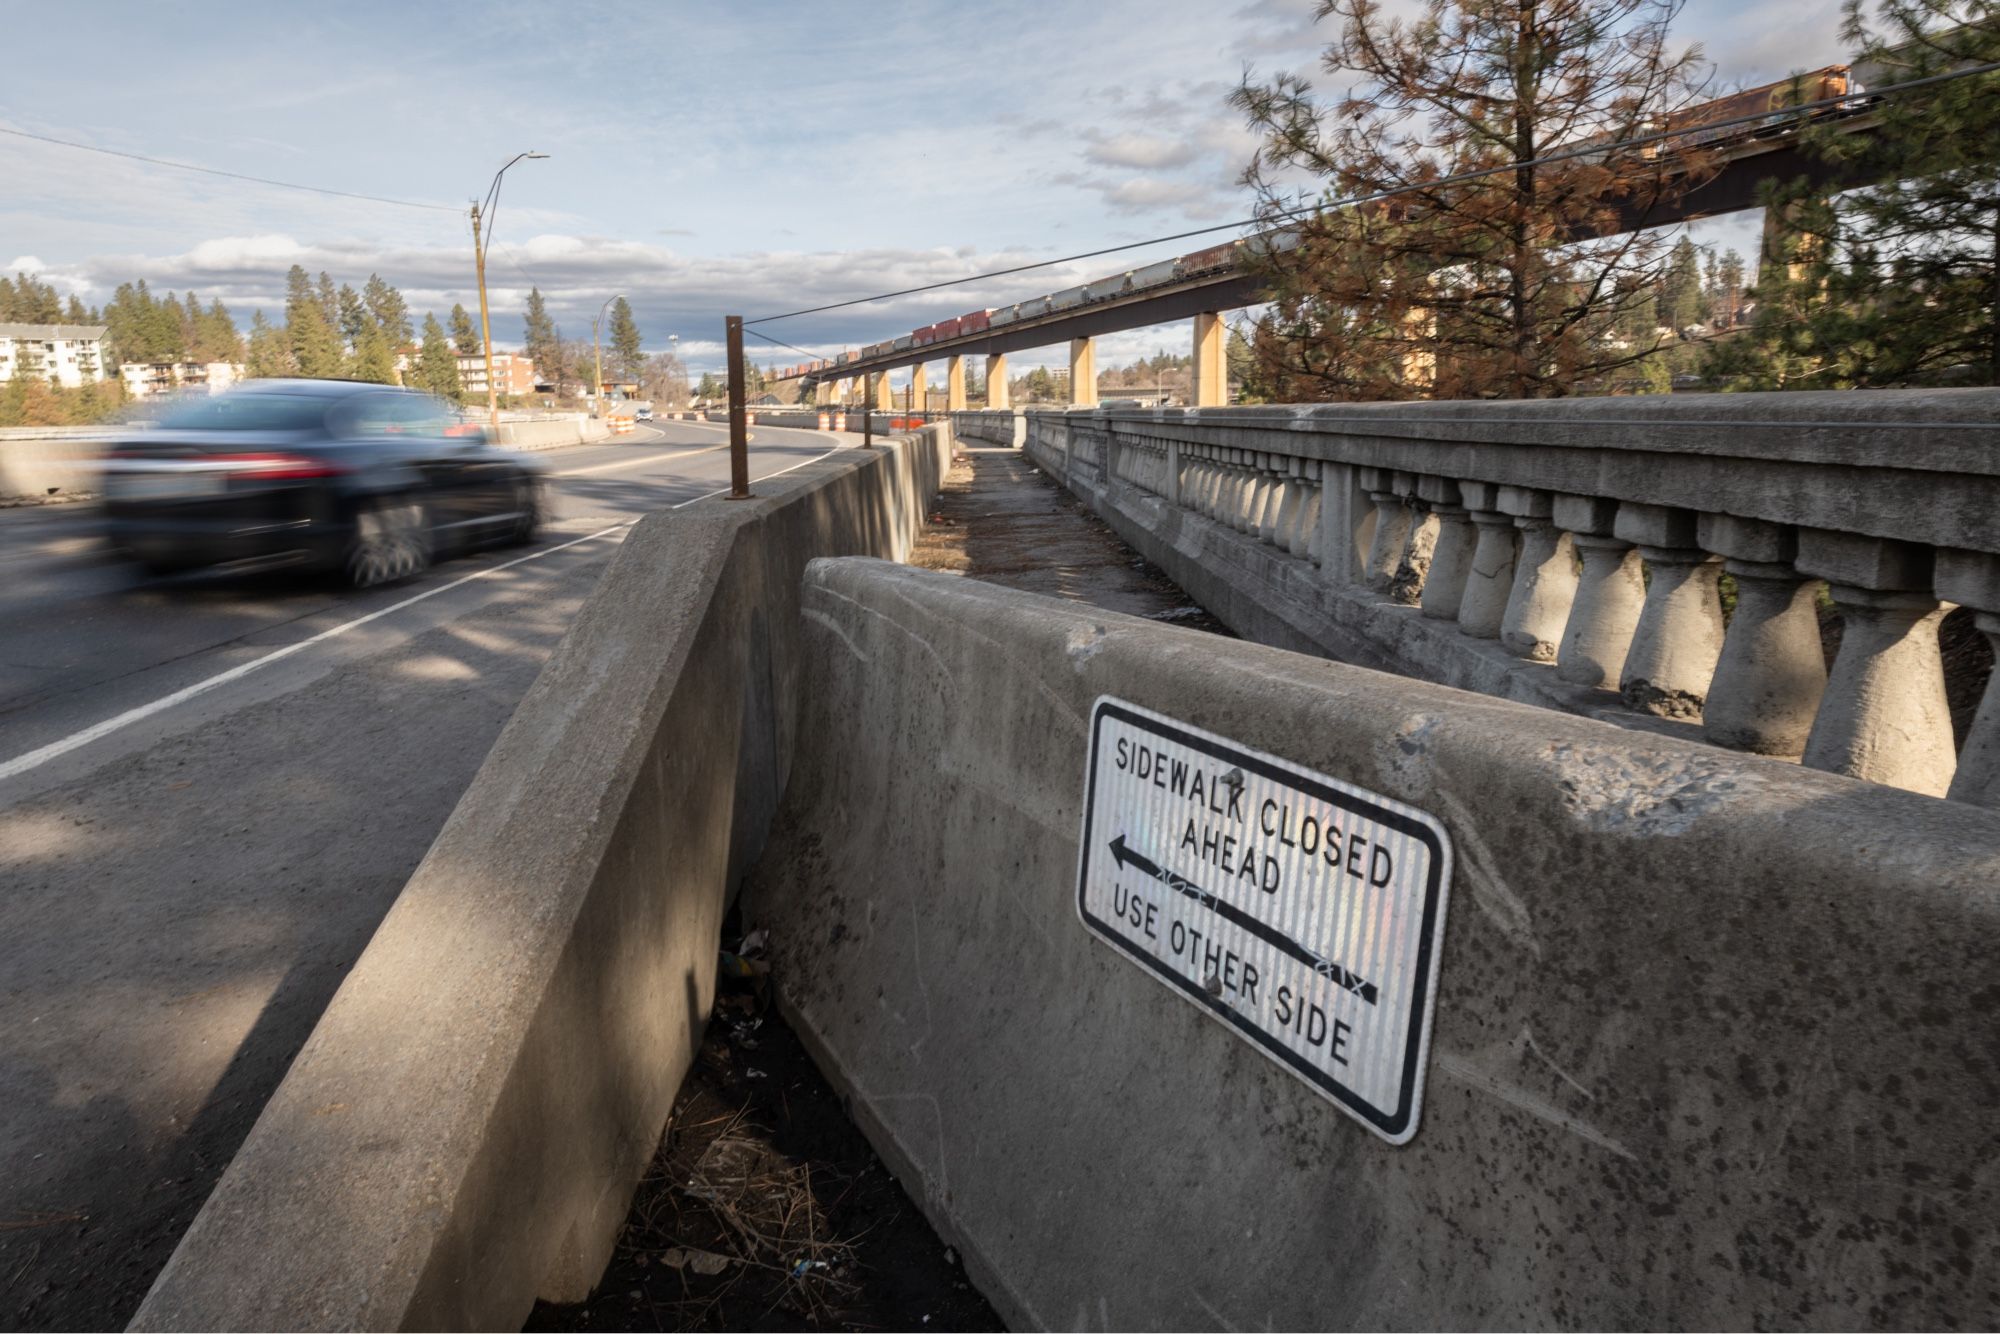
(463, 1130)
(1714, 1036)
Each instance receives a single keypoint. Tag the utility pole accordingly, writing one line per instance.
(485, 326)
(739, 438)
(868, 412)
(597, 343)
(479, 259)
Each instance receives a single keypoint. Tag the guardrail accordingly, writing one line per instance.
(1572, 551)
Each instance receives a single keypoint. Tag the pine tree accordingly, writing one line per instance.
(355, 321)
(373, 359)
(626, 357)
(76, 314)
(389, 309)
(1482, 287)
(464, 333)
(436, 368)
(219, 340)
(540, 340)
(1893, 283)
(329, 300)
(1679, 304)
(311, 339)
(268, 355)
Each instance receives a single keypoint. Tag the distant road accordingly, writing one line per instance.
(186, 877)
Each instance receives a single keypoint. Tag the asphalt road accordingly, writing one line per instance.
(210, 792)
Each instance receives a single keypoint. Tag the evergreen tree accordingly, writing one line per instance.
(218, 338)
(389, 310)
(464, 333)
(1893, 283)
(76, 314)
(355, 321)
(311, 338)
(268, 356)
(540, 339)
(329, 300)
(1679, 303)
(373, 359)
(626, 357)
(436, 367)
(1482, 287)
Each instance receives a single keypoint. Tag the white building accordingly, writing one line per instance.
(70, 354)
(144, 378)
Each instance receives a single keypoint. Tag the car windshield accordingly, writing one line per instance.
(249, 412)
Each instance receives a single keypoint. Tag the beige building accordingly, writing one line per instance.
(70, 354)
(145, 378)
(512, 373)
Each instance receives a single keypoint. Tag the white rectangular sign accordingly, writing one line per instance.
(1304, 912)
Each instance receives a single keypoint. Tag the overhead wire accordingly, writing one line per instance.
(1307, 210)
(232, 175)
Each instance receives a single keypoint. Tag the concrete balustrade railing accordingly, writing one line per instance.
(1587, 540)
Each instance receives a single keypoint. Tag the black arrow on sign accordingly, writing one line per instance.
(1124, 856)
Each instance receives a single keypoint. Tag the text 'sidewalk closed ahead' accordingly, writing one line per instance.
(1302, 911)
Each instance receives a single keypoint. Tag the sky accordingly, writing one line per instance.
(704, 159)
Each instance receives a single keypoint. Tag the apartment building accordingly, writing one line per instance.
(70, 354)
(512, 373)
(145, 378)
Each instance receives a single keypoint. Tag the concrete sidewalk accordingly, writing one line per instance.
(1004, 521)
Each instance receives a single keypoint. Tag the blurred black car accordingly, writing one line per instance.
(364, 480)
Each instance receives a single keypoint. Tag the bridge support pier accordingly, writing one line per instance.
(885, 397)
(954, 384)
(996, 382)
(1083, 372)
(919, 391)
(1211, 362)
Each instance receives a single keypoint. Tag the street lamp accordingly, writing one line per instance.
(479, 257)
(597, 343)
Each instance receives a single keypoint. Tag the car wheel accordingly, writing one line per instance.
(529, 504)
(392, 542)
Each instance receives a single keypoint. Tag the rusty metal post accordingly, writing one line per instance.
(739, 438)
(868, 412)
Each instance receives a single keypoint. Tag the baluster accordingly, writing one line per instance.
(1538, 605)
(1489, 576)
(1679, 635)
(1972, 579)
(1393, 522)
(1609, 593)
(1884, 715)
(1772, 672)
(1451, 558)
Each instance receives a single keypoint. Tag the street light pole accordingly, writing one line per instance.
(479, 259)
(597, 344)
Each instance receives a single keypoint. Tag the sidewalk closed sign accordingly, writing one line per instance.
(1301, 911)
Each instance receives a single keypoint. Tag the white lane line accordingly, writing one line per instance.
(613, 466)
(34, 759)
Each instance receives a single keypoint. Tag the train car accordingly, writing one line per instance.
(1033, 306)
(1274, 242)
(944, 329)
(1215, 259)
(841, 359)
(978, 321)
(1157, 274)
(1105, 288)
(1069, 298)
(905, 343)
(925, 336)
(1000, 315)
(1816, 86)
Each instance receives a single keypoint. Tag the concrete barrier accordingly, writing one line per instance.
(464, 1128)
(1715, 1040)
(552, 433)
